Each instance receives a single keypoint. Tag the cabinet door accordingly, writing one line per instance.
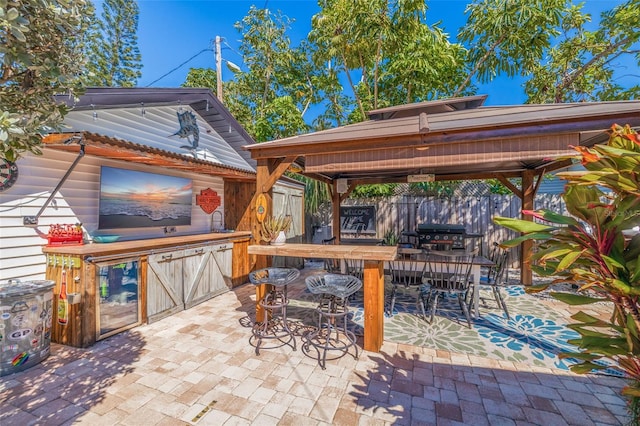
(164, 285)
(223, 255)
(204, 273)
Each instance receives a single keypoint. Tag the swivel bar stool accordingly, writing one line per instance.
(274, 327)
(332, 333)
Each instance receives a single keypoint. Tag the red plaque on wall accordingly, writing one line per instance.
(208, 200)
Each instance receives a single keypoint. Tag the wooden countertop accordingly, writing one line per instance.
(93, 249)
(327, 251)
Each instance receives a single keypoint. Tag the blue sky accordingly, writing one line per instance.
(170, 32)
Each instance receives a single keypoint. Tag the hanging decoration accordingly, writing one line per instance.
(188, 127)
(208, 200)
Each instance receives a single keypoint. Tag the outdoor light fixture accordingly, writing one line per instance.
(421, 178)
(342, 185)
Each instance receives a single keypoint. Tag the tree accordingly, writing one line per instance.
(582, 65)
(40, 56)
(114, 57)
(398, 57)
(506, 36)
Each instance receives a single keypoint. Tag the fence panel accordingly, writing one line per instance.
(404, 212)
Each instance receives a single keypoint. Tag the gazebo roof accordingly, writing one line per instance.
(451, 139)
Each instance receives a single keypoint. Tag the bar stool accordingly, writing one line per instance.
(332, 333)
(274, 327)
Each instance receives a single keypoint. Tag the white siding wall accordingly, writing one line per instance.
(77, 201)
(154, 129)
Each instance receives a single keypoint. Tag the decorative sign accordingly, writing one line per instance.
(261, 207)
(208, 200)
(358, 219)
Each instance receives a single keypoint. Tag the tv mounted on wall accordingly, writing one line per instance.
(133, 199)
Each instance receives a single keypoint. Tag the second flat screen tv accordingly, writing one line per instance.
(133, 199)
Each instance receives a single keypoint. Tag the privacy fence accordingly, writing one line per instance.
(395, 215)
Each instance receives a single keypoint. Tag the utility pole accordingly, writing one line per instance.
(219, 69)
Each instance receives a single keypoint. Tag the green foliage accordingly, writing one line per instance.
(590, 248)
(373, 191)
(391, 238)
(272, 96)
(581, 65)
(437, 189)
(40, 56)
(398, 56)
(510, 37)
(201, 77)
(114, 57)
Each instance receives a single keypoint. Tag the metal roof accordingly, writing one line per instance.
(201, 100)
(453, 139)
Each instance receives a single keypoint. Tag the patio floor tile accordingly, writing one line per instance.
(198, 368)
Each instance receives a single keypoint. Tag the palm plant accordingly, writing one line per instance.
(594, 249)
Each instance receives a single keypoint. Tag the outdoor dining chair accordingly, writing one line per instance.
(496, 276)
(447, 275)
(406, 275)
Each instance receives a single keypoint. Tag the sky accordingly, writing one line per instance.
(172, 35)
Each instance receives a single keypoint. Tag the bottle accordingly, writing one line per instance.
(104, 288)
(63, 303)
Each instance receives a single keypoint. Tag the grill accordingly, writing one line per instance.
(448, 234)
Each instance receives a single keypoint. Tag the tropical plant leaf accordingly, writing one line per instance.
(586, 367)
(521, 225)
(575, 299)
(569, 259)
(537, 288)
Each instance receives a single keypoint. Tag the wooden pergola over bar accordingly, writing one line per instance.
(451, 139)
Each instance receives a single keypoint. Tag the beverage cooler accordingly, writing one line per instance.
(118, 296)
(26, 314)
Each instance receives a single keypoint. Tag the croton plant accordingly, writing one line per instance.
(596, 248)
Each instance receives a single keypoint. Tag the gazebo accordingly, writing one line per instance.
(450, 139)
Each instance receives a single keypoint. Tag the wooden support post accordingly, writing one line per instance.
(373, 305)
(335, 211)
(528, 194)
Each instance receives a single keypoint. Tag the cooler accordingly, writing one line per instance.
(25, 324)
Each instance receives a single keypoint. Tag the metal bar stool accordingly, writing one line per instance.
(274, 327)
(332, 333)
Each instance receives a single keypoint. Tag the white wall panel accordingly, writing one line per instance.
(77, 201)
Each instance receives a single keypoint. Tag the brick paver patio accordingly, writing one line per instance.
(197, 367)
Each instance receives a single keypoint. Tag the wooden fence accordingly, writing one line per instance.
(403, 213)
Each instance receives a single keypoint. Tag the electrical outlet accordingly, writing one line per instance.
(169, 229)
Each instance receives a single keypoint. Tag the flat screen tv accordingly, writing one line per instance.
(133, 199)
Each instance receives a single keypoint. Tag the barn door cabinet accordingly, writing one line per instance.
(116, 286)
(181, 279)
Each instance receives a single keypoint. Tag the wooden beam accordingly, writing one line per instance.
(59, 138)
(350, 189)
(335, 211)
(528, 194)
(503, 180)
(556, 165)
(275, 172)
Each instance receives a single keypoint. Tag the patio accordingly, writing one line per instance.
(197, 367)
